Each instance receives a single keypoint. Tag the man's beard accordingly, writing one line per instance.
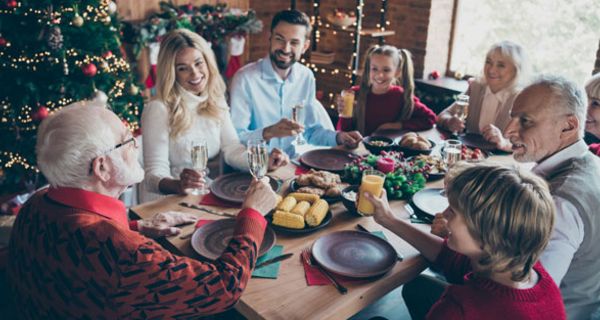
(125, 175)
(280, 64)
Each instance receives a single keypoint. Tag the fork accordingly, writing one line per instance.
(306, 255)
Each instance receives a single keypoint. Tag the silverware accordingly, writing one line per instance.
(218, 213)
(273, 260)
(306, 255)
(362, 228)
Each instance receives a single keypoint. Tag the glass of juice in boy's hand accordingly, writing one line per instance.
(372, 182)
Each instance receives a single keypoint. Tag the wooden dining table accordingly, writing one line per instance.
(289, 296)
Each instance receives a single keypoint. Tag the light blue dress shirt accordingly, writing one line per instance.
(260, 98)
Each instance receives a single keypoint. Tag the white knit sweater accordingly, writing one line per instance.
(165, 157)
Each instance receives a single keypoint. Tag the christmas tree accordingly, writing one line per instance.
(53, 53)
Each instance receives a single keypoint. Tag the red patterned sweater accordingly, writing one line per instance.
(72, 256)
(475, 297)
(385, 108)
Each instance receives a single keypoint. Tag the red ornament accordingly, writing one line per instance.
(11, 3)
(40, 114)
(107, 54)
(434, 75)
(3, 42)
(89, 70)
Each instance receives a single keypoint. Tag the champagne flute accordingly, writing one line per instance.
(298, 114)
(462, 108)
(258, 158)
(199, 152)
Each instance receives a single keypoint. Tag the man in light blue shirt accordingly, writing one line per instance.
(263, 93)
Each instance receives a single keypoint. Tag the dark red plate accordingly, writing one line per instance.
(327, 159)
(211, 239)
(474, 140)
(232, 187)
(354, 254)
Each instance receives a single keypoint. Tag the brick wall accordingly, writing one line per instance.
(422, 26)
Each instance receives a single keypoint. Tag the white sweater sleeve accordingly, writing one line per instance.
(233, 150)
(155, 129)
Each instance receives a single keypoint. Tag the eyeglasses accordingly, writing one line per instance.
(117, 146)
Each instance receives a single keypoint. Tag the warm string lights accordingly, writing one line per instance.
(21, 121)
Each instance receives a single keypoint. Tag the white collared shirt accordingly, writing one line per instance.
(491, 105)
(568, 231)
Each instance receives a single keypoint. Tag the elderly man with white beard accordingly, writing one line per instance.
(73, 255)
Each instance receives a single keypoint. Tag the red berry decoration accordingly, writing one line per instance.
(3, 42)
(89, 69)
(40, 114)
(11, 3)
(107, 54)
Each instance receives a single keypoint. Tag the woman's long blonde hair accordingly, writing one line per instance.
(180, 119)
(403, 62)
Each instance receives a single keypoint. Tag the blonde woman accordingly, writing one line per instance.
(491, 97)
(499, 220)
(190, 105)
(592, 122)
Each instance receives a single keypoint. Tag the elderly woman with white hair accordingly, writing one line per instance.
(492, 96)
(592, 122)
(190, 106)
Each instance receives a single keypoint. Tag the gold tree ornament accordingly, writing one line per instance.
(134, 90)
(77, 20)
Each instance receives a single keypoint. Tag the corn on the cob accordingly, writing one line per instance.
(316, 213)
(288, 220)
(301, 208)
(287, 204)
(279, 199)
(299, 196)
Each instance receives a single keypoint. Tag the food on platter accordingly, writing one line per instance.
(414, 141)
(302, 214)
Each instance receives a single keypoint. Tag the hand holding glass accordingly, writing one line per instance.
(372, 182)
(258, 158)
(462, 108)
(199, 152)
(298, 114)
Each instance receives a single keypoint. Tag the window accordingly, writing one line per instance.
(560, 37)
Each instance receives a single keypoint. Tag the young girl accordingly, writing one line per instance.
(499, 221)
(381, 104)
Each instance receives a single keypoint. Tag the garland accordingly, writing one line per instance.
(214, 23)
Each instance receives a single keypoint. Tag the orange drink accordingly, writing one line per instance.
(372, 182)
(348, 98)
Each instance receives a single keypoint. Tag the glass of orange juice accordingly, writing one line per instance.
(348, 99)
(372, 182)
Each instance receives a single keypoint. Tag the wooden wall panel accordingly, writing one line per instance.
(138, 10)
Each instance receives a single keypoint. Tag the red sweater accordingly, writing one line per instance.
(595, 148)
(72, 256)
(475, 297)
(385, 108)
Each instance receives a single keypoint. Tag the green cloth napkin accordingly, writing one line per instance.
(271, 271)
(379, 234)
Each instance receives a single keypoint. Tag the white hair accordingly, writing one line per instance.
(567, 97)
(592, 86)
(70, 139)
(517, 56)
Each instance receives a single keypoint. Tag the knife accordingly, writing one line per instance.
(218, 213)
(362, 228)
(273, 260)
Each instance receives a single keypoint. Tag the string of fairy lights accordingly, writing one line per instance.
(351, 71)
(23, 119)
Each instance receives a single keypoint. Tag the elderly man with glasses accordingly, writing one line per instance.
(72, 254)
